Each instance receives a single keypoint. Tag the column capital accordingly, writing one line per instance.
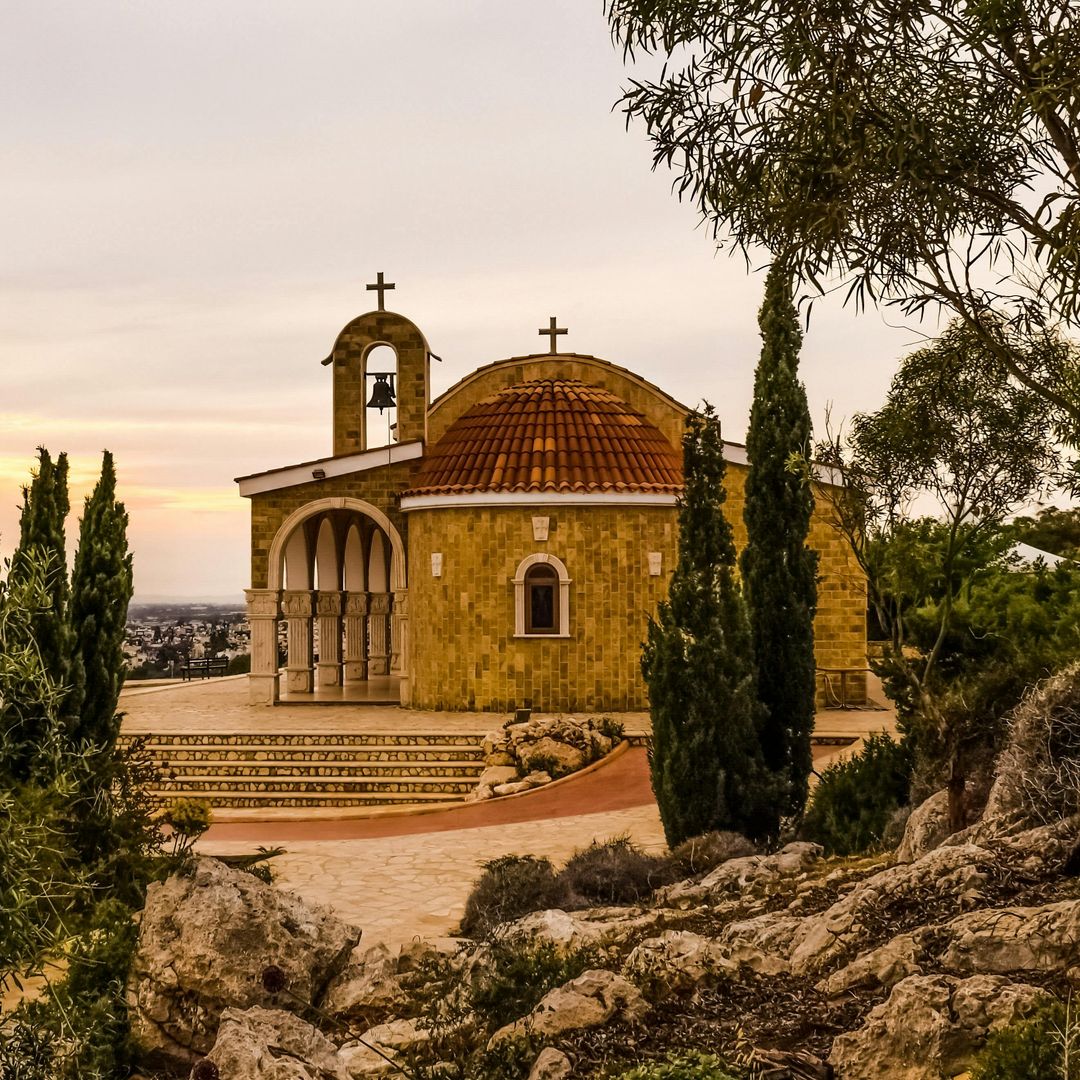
(356, 603)
(329, 603)
(263, 603)
(380, 603)
(298, 603)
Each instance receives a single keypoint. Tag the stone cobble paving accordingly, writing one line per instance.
(399, 887)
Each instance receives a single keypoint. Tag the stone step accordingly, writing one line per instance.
(332, 741)
(197, 786)
(267, 800)
(442, 768)
(375, 755)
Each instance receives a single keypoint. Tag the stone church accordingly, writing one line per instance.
(503, 550)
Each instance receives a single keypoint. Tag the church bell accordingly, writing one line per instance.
(382, 393)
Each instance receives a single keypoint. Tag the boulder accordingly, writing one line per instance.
(930, 1026)
(594, 998)
(546, 750)
(571, 931)
(375, 1055)
(762, 943)
(368, 988)
(551, 1064)
(495, 775)
(927, 827)
(537, 779)
(269, 1044)
(480, 793)
(206, 936)
(678, 960)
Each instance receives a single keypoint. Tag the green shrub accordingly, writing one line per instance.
(611, 728)
(548, 763)
(700, 854)
(1032, 1049)
(514, 977)
(510, 887)
(689, 1066)
(851, 806)
(614, 872)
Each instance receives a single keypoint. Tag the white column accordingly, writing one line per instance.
(378, 634)
(399, 633)
(298, 606)
(329, 605)
(356, 654)
(263, 611)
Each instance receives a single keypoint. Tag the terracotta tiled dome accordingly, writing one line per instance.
(551, 435)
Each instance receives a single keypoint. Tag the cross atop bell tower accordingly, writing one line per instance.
(381, 287)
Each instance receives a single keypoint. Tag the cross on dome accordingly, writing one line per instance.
(552, 332)
(381, 287)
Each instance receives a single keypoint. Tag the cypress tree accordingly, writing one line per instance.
(41, 540)
(779, 571)
(101, 586)
(707, 771)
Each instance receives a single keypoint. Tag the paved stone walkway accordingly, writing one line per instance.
(402, 877)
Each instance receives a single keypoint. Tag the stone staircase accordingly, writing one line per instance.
(295, 771)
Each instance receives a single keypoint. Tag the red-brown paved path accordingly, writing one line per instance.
(619, 784)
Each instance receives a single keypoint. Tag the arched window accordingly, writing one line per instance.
(541, 598)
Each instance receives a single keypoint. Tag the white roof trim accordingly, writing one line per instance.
(292, 475)
(536, 498)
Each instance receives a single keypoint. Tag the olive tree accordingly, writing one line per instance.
(914, 152)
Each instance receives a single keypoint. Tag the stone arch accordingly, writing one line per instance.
(354, 564)
(398, 574)
(327, 562)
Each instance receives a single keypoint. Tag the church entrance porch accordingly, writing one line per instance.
(333, 625)
(374, 690)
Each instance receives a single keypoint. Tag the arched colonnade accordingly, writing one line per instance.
(337, 580)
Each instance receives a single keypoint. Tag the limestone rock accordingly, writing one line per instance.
(680, 960)
(480, 793)
(382, 1042)
(762, 943)
(930, 1026)
(884, 966)
(824, 937)
(566, 758)
(551, 1064)
(268, 1044)
(1015, 940)
(537, 779)
(569, 931)
(368, 987)
(927, 827)
(593, 998)
(495, 775)
(206, 936)
(512, 789)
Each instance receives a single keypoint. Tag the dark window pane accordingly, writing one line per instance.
(542, 607)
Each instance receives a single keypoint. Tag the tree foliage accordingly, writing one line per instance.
(42, 550)
(779, 570)
(101, 587)
(925, 152)
(958, 432)
(706, 763)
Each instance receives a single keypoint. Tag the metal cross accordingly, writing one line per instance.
(552, 332)
(380, 287)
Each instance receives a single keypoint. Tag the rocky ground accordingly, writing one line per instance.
(806, 966)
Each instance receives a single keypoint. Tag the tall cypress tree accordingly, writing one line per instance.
(707, 771)
(101, 587)
(41, 538)
(779, 571)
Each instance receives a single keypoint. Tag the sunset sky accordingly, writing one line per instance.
(194, 196)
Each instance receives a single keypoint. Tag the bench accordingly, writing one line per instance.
(204, 667)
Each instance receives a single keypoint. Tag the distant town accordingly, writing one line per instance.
(162, 637)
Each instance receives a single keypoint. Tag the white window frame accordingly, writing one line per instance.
(519, 595)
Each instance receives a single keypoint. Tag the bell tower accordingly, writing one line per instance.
(354, 383)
